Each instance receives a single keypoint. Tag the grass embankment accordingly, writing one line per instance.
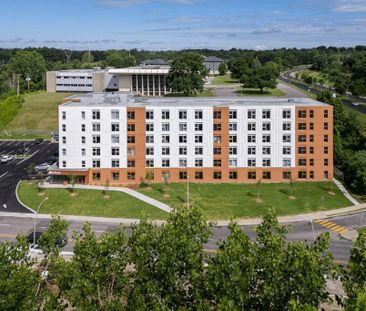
(37, 117)
(9, 107)
(223, 201)
(224, 80)
(317, 75)
(86, 203)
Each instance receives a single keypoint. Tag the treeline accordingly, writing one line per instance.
(166, 268)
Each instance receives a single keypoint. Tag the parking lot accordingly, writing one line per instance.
(24, 153)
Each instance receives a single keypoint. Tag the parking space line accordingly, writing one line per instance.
(3, 174)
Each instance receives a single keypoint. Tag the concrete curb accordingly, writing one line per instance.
(20, 202)
(350, 235)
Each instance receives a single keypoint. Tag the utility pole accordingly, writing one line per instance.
(187, 191)
(18, 90)
(28, 80)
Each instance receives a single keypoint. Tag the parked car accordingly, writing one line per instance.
(6, 158)
(38, 141)
(51, 160)
(42, 167)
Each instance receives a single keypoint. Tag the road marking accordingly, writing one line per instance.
(9, 236)
(212, 251)
(4, 174)
(331, 226)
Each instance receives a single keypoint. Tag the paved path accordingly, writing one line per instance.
(290, 92)
(345, 192)
(128, 191)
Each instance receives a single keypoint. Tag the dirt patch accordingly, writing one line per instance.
(106, 197)
(73, 194)
(41, 194)
(291, 197)
(258, 200)
(166, 195)
(331, 193)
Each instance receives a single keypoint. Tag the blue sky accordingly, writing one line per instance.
(178, 24)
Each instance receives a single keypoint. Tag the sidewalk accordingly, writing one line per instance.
(345, 192)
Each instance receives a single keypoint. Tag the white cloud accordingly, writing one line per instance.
(260, 47)
(125, 3)
(350, 6)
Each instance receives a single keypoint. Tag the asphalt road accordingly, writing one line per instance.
(11, 173)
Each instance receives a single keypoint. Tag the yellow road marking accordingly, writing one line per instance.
(329, 226)
(7, 236)
(333, 226)
(343, 231)
(338, 228)
(320, 222)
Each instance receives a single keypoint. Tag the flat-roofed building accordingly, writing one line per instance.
(212, 64)
(119, 138)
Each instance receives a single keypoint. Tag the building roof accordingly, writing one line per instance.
(213, 59)
(97, 69)
(142, 69)
(156, 61)
(129, 100)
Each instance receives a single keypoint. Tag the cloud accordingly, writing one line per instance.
(350, 6)
(125, 3)
(135, 42)
(260, 47)
(265, 31)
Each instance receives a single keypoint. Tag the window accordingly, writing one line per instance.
(183, 127)
(96, 163)
(233, 139)
(165, 127)
(64, 152)
(96, 115)
(301, 113)
(182, 114)
(115, 176)
(232, 114)
(149, 127)
(165, 115)
(266, 114)
(325, 150)
(131, 176)
(63, 139)
(251, 162)
(286, 162)
(233, 162)
(326, 126)
(286, 150)
(83, 152)
(182, 150)
(233, 175)
(217, 163)
(198, 127)
(150, 163)
(115, 127)
(83, 127)
(302, 150)
(198, 162)
(302, 126)
(115, 138)
(183, 175)
(326, 138)
(96, 139)
(251, 126)
(130, 115)
(311, 162)
(233, 150)
(311, 174)
(266, 126)
(96, 151)
(115, 114)
(216, 151)
(266, 138)
(266, 175)
(217, 175)
(165, 150)
(165, 139)
(96, 176)
(115, 151)
(233, 126)
(311, 138)
(198, 175)
(311, 126)
(217, 127)
(217, 114)
(198, 150)
(286, 126)
(149, 114)
(326, 175)
(251, 138)
(130, 163)
(149, 139)
(266, 162)
(286, 114)
(83, 164)
(83, 115)
(325, 113)
(311, 150)
(198, 138)
(302, 174)
(286, 138)
(301, 138)
(251, 114)
(198, 114)
(150, 151)
(115, 163)
(131, 152)
(302, 162)
(311, 113)
(286, 175)
(326, 162)
(182, 162)
(266, 150)
(251, 150)
(64, 127)
(252, 175)
(217, 139)
(96, 127)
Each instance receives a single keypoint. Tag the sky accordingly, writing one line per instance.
(180, 24)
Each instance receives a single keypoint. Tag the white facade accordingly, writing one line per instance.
(74, 81)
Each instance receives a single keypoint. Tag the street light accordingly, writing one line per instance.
(312, 228)
(187, 191)
(34, 220)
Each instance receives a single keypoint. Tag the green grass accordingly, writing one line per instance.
(223, 201)
(257, 92)
(87, 203)
(224, 80)
(206, 93)
(9, 107)
(37, 117)
(318, 75)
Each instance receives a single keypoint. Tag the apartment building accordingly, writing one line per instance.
(118, 138)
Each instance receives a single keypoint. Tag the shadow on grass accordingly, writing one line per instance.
(252, 92)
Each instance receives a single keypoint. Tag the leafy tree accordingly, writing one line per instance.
(222, 69)
(355, 171)
(30, 169)
(119, 60)
(239, 68)
(187, 73)
(261, 76)
(87, 57)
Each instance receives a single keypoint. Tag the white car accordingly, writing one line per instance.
(6, 158)
(42, 167)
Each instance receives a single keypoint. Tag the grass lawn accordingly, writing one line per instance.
(318, 75)
(223, 201)
(223, 80)
(87, 203)
(38, 116)
(257, 92)
(206, 93)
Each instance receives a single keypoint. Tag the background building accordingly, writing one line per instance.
(81, 81)
(118, 138)
(212, 63)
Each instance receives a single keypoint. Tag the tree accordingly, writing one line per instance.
(119, 60)
(222, 69)
(30, 169)
(187, 73)
(354, 170)
(261, 76)
(87, 57)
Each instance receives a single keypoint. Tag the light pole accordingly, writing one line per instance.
(34, 221)
(187, 191)
(312, 228)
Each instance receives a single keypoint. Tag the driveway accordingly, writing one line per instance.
(290, 92)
